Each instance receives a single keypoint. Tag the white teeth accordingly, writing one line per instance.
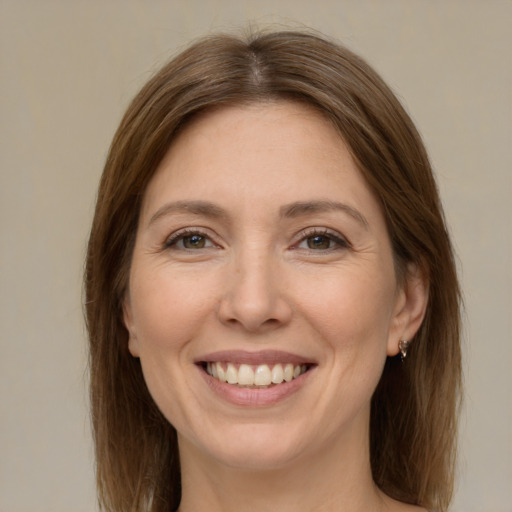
(277, 374)
(251, 375)
(221, 374)
(245, 375)
(288, 372)
(262, 376)
(231, 374)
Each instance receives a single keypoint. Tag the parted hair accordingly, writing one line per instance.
(414, 408)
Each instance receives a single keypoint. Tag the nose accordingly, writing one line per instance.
(254, 297)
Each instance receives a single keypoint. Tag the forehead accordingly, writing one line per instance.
(271, 124)
(269, 152)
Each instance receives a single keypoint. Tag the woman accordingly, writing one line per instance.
(271, 294)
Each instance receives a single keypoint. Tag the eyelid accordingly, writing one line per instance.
(340, 240)
(335, 236)
(179, 234)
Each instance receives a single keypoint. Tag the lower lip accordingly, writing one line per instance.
(251, 397)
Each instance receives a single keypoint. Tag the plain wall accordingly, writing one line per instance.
(68, 69)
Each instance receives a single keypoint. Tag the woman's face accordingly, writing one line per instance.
(262, 258)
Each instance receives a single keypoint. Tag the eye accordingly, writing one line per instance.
(322, 241)
(188, 240)
(318, 242)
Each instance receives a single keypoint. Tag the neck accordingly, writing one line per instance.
(338, 479)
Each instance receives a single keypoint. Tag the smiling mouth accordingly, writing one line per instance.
(254, 376)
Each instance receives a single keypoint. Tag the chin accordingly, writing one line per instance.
(254, 448)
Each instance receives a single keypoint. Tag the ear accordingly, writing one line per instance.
(133, 344)
(410, 307)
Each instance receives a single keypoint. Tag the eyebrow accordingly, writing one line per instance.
(301, 208)
(202, 208)
(292, 210)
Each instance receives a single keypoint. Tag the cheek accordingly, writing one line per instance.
(349, 307)
(168, 308)
(350, 312)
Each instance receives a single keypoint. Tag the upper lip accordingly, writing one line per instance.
(254, 358)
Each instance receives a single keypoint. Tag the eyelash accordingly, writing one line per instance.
(175, 238)
(339, 241)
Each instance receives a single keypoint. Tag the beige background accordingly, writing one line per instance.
(68, 69)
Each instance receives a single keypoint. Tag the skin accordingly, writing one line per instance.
(319, 283)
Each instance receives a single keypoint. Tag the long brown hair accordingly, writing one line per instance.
(414, 408)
